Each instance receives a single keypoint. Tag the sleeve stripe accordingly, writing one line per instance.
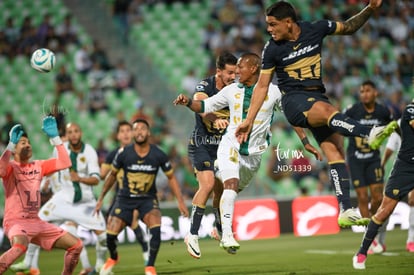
(267, 71)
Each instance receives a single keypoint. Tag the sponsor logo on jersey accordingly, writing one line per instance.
(301, 52)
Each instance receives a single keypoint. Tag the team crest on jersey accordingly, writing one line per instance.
(311, 99)
(82, 159)
(46, 213)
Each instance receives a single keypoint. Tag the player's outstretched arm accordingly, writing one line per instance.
(194, 105)
(354, 23)
(15, 134)
(175, 188)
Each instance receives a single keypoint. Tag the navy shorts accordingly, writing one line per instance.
(295, 106)
(365, 173)
(401, 181)
(124, 207)
(202, 156)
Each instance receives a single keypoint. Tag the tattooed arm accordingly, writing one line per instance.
(357, 21)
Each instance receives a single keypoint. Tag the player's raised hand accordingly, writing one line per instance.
(50, 127)
(181, 100)
(221, 123)
(375, 4)
(16, 133)
(243, 131)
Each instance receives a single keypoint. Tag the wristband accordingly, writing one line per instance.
(305, 141)
(11, 147)
(190, 101)
(56, 141)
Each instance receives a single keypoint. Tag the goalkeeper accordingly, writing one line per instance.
(21, 180)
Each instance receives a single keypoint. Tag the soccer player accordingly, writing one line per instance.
(202, 150)
(73, 200)
(364, 162)
(124, 137)
(21, 181)
(400, 183)
(294, 54)
(140, 162)
(393, 145)
(238, 163)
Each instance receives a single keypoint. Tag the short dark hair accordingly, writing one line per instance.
(122, 123)
(140, 120)
(281, 10)
(369, 83)
(224, 59)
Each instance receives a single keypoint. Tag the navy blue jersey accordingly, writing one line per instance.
(298, 63)
(406, 151)
(108, 161)
(358, 147)
(203, 127)
(140, 172)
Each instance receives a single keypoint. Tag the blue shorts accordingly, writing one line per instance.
(296, 104)
(401, 181)
(365, 173)
(124, 207)
(202, 156)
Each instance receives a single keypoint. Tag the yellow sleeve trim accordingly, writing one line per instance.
(267, 71)
(335, 162)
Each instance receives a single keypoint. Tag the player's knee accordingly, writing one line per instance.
(76, 248)
(20, 247)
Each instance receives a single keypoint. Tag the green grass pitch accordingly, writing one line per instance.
(329, 254)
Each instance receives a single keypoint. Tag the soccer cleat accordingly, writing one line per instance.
(30, 271)
(215, 234)
(150, 270)
(378, 134)
(376, 248)
(358, 261)
(20, 267)
(107, 267)
(229, 244)
(192, 245)
(350, 217)
(410, 246)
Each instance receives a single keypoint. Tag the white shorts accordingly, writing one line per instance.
(233, 165)
(58, 209)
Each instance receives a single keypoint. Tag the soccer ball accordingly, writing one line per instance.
(43, 60)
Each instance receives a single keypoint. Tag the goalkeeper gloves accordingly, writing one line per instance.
(15, 134)
(50, 128)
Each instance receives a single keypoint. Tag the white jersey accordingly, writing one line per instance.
(233, 96)
(86, 165)
(61, 207)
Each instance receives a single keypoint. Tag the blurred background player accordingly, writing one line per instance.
(124, 137)
(365, 163)
(21, 180)
(140, 162)
(393, 145)
(73, 200)
(202, 150)
(400, 183)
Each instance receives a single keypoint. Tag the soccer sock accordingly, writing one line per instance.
(30, 259)
(226, 209)
(101, 250)
(154, 244)
(35, 259)
(71, 258)
(8, 257)
(410, 237)
(217, 221)
(369, 236)
(347, 126)
(84, 253)
(140, 238)
(111, 242)
(339, 177)
(197, 213)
